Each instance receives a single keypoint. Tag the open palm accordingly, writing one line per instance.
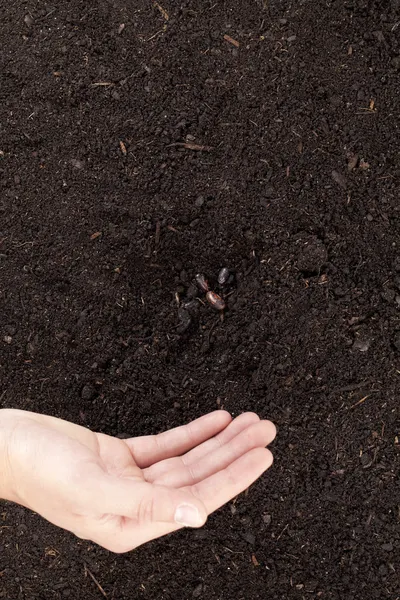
(123, 493)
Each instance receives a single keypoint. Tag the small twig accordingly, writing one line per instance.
(360, 401)
(346, 388)
(254, 560)
(156, 34)
(162, 11)
(95, 581)
(190, 146)
(53, 10)
(24, 244)
(350, 387)
(102, 83)
(230, 40)
(282, 532)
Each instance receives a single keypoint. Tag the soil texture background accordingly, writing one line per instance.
(142, 143)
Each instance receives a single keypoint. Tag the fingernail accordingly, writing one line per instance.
(188, 515)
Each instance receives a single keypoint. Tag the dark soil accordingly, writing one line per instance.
(297, 191)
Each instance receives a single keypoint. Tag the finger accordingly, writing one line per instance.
(241, 422)
(221, 487)
(120, 534)
(236, 426)
(257, 435)
(147, 450)
(148, 504)
(213, 492)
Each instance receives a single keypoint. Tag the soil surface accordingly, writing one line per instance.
(142, 144)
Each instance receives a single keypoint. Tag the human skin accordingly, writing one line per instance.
(123, 493)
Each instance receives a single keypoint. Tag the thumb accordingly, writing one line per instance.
(147, 503)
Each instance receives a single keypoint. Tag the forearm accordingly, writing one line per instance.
(7, 423)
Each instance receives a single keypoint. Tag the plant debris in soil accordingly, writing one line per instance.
(142, 143)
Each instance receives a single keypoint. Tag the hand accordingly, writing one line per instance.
(123, 493)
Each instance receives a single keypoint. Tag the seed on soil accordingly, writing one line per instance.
(216, 301)
(223, 276)
(202, 282)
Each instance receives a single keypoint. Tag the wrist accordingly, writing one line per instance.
(7, 424)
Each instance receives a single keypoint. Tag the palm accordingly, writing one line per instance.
(118, 492)
(213, 458)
